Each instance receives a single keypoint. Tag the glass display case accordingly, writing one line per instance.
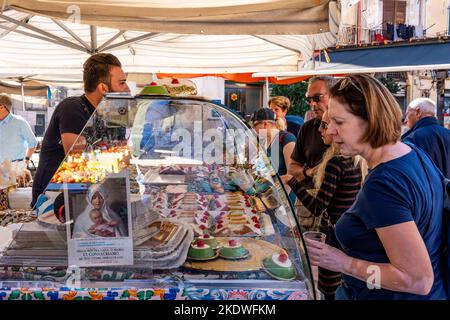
(161, 198)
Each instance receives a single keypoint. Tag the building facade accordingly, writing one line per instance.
(386, 22)
(372, 21)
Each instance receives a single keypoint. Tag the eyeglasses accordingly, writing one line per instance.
(348, 81)
(316, 98)
(323, 125)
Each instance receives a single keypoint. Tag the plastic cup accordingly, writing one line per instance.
(315, 235)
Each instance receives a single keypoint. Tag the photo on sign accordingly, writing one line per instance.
(100, 211)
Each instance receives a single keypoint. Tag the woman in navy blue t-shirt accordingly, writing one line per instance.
(391, 236)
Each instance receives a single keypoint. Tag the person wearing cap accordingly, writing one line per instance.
(18, 141)
(279, 144)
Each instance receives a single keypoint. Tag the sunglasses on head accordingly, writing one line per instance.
(316, 98)
(348, 82)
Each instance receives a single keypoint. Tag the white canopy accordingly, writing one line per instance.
(189, 17)
(52, 50)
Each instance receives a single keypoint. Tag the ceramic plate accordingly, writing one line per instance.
(244, 256)
(205, 259)
(275, 276)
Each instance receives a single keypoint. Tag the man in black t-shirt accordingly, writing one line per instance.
(102, 73)
(309, 147)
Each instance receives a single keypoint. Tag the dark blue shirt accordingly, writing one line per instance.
(294, 124)
(394, 192)
(275, 151)
(434, 139)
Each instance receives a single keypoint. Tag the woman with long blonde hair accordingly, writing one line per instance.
(338, 180)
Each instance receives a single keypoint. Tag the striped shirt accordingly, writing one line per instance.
(341, 184)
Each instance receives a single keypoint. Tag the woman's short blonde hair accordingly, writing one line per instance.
(283, 102)
(369, 99)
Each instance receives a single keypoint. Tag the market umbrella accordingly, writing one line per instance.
(53, 48)
(23, 87)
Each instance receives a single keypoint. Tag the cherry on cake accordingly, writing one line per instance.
(209, 240)
(200, 250)
(279, 265)
(233, 249)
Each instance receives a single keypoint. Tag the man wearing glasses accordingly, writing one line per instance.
(17, 140)
(309, 147)
(102, 73)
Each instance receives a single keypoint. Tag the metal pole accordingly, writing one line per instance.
(23, 94)
(441, 75)
(93, 31)
(267, 91)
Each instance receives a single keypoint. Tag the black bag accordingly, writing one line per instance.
(32, 167)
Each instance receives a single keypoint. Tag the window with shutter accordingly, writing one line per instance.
(388, 11)
(400, 12)
(394, 11)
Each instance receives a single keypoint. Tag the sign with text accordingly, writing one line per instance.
(99, 228)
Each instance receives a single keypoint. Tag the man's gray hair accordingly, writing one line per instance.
(330, 81)
(5, 100)
(426, 105)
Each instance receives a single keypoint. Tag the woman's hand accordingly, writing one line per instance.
(325, 256)
(312, 171)
(285, 178)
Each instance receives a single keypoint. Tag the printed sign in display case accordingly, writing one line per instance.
(161, 198)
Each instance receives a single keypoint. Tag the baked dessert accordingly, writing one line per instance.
(279, 266)
(200, 250)
(237, 223)
(233, 249)
(209, 240)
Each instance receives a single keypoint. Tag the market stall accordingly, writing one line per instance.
(160, 198)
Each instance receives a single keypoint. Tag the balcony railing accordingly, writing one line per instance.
(348, 35)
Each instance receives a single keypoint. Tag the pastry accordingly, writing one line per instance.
(209, 240)
(279, 266)
(200, 250)
(167, 230)
(233, 249)
(237, 223)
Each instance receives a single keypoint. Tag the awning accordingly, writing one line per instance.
(38, 45)
(30, 88)
(189, 17)
(389, 58)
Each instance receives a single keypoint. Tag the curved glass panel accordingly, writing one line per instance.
(170, 193)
